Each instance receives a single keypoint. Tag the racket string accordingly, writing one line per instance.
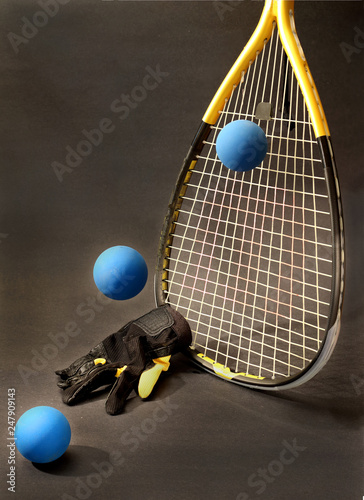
(250, 260)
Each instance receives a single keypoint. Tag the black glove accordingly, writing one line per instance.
(139, 351)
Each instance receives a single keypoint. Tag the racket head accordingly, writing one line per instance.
(255, 260)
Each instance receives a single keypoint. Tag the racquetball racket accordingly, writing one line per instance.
(255, 260)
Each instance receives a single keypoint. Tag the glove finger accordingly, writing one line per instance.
(150, 377)
(73, 368)
(83, 364)
(121, 389)
(82, 373)
(102, 376)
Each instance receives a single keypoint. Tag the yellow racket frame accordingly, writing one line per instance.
(280, 12)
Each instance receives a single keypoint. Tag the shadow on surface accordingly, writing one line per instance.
(77, 461)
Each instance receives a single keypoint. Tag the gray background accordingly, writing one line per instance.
(211, 439)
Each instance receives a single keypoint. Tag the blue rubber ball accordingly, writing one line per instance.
(120, 273)
(241, 145)
(42, 434)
